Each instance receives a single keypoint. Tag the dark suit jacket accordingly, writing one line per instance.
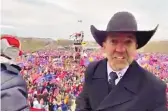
(13, 89)
(138, 90)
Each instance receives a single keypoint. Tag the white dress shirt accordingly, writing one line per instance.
(120, 73)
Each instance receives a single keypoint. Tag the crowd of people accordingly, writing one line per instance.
(55, 77)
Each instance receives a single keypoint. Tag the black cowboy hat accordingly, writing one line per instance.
(123, 22)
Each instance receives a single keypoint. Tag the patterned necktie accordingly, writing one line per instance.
(113, 77)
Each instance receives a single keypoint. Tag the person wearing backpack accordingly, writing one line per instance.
(13, 87)
(118, 82)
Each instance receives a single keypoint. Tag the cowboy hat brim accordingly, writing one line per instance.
(142, 36)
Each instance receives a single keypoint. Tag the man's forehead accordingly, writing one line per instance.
(122, 34)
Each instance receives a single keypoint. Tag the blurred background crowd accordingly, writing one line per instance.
(55, 77)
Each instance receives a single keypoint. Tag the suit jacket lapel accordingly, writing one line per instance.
(99, 86)
(125, 89)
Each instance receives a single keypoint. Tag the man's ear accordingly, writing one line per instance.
(103, 45)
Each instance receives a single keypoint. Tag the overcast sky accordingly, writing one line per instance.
(59, 18)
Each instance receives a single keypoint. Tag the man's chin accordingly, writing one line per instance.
(121, 66)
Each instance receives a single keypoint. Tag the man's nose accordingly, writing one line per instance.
(120, 48)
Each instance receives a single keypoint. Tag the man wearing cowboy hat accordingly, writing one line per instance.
(118, 83)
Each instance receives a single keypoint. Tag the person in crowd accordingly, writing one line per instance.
(13, 87)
